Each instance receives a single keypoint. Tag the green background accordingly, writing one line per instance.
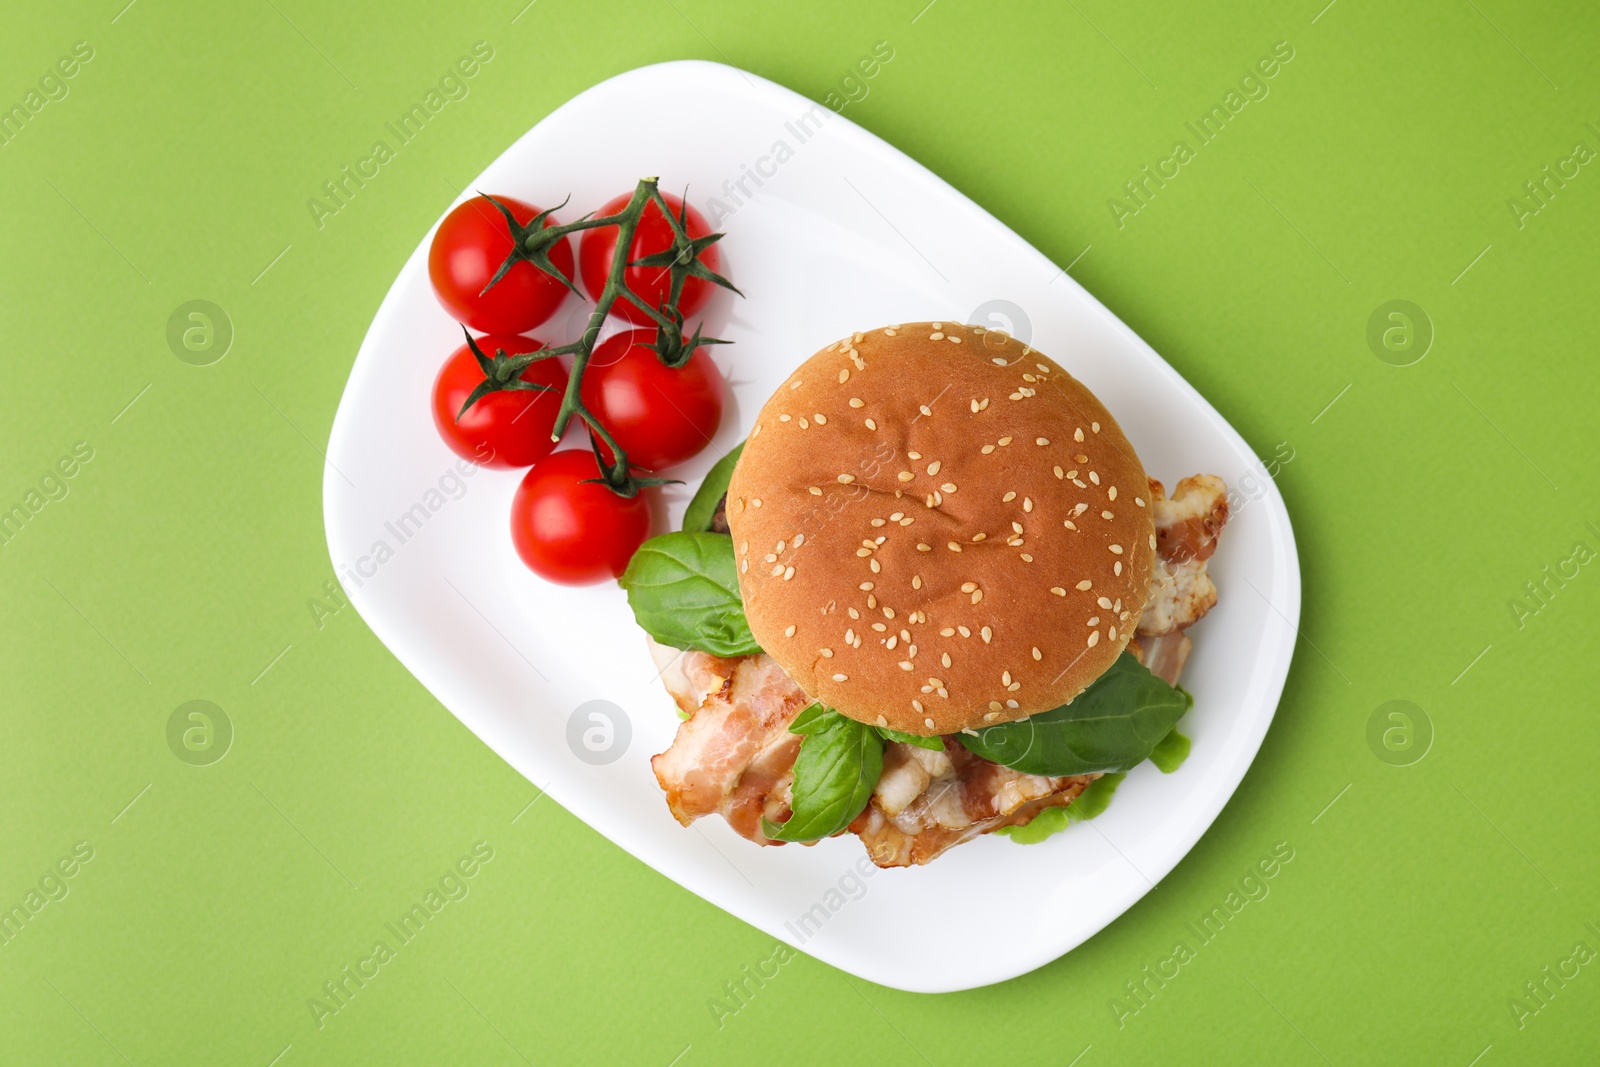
(180, 564)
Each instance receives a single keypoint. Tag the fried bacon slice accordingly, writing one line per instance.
(734, 754)
(1187, 526)
(928, 802)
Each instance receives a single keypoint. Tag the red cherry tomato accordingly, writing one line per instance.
(660, 415)
(571, 531)
(652, 284)
(505, 428)
(469, 246)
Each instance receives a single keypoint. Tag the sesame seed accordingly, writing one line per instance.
(917, 704)
(1058, 591)
(945, 659)
(847, 478)
(933, 468)
(1041, 441)
(897, 516)
(755, 502)
(1094, 476)
(822, 420)
(947, 632)
(827, 653)
(913, 455)
(1107, 515)
(844, 376)
(1139, 500)
(1116, 550)
(882, 721)
(1111, 494)
(963, 631)
(865, 587)
(1094, 638)
(928, 723)
(987, 449)
(1095, 426)
(891, 642)
(1112, 633)
(974, 407)
(797, 383)
(936, 336)
(924, 548)
(854, 614)
(916, 581)
(907, 521)
(906, 665)
(977, 596)
(888, 613)
(991, 716)
(978, 537)
(777, 571)
(872, 601)
(789, 632)
(1077, 435)
(926, 410)
(1013, 687)
(948, 487)
(879, 627)
(1013, 704)
(998, 361)
(1068, 524)
(912, 651)
(1004, 441)
(1005, 677)
(874, 565)
(841, 677)
(954, 547)
(1037, 654)
(863, 552)
(857, 402)
(1027, 503)
(905, 476)
(1008, 498)
(877, 522)
(744, 566)
(815, 491)
(1059, 473)
(804, 425)
(986, 633)
(788, 572)
(1026, 558)
(889, 331)
(799, 539)
(1116, 568)
(967, 587)
(953, 339)
(770, 557)
(1086, 584)
(1152, 542)
(983, 404)
(783, 418)
(871, 425)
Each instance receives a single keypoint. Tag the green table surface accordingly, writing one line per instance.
(1436, 910)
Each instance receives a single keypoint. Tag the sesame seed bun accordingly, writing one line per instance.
(875, 515)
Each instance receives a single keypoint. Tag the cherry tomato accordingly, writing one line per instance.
(505, 428)
(571, 531)
(469, 246)
(660, 415)
(652, 284)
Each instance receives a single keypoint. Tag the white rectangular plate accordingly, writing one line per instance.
(843, 233)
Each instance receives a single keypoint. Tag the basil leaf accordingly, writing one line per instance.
(834, 774)
(1112, 726)
(697, 517)
(934, 743)
(1170, 752)
(684, 593)
(1095, 798)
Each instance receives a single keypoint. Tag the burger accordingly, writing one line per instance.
(933, 595)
